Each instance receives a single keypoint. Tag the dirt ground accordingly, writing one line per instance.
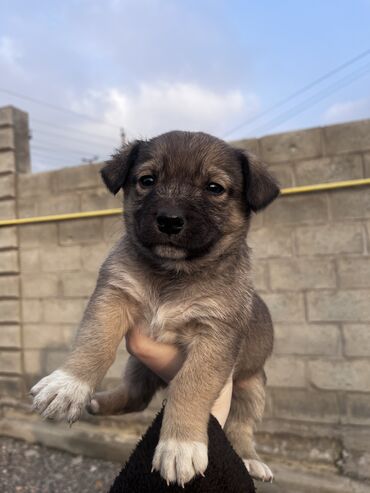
(29, 468)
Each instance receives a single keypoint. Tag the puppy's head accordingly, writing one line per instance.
(187, 195)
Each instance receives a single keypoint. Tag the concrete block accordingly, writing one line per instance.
(356, 340)
(260, 275)
(35, 235)
(48, 336)
(306, 339)
(40, 285)
(9, 286)
(54, 359)
(78, 284)
(340, 306)
(285, 372)
(61, 310)
(287, 307)
(9, 262)
(27, 207)
(351, 203)
(58, 204)
(251, 145)
(7, 186)
(329, 239)
(291, 146)
(6, 138)
(366, 164)
(358, 408)
(113, 229)
(271, 242)
(65, 258)
(302, 273)
(354, 272)
(347, 137)
(340, 375)
(9, 311)
(6, 116)
(30, 260)
(34, 362)
(297, 209)
(116, 370)
(329, 169)
(10, 336)
(99, 200)
(80, 231)
(11, 386)
(36, 184)
(92, 256)
(31, 311)
(7, 209)
(85, 176)
(7, 161)
(256, 221)
(306, 405)
(8, 237)
(10, 361)
(283, 173)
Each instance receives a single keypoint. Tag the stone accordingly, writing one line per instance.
(356, 340)
(271, 242)
(329, 239)
(354, 272)
(347, 137)
(40, 286)
(63, 310)
(92, 256)
(100, 200)
(251, 145)
(7, 186)
(30, 260)
(9, 286)
(9, 262)
(302, 273)
(58, 204)
(285, 371)
(358, 408)
(85, 176)
(63, 258)
(7, 209)
(41, 336)
(6, 138)
(329, 169)
(260, 275)
(31, 311)
(10, 336)
(339, 306)
(285, 307)
(9, 311)
(8, 237)
(10, 361)
(7, 161)
(11, 386)
(306, 339)
(297, 209)
(340, 375)
(351, 203)
(80, 231)
(78, 284)
(38, 235)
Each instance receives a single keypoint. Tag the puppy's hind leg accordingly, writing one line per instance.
(133, 395)
(247, 406)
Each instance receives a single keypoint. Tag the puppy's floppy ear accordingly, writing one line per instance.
(260, 187)
(115, 172)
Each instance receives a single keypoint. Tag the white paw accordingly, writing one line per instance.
(178, 462)
(60, 396)
(258, 470)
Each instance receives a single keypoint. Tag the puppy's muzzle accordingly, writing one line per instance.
(170, 224)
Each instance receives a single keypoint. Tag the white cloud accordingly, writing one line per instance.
(163, 106)
(347, 110)
(10, 54)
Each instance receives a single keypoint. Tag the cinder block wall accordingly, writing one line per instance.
(311, 265)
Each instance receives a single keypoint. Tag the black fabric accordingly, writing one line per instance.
(225, 473)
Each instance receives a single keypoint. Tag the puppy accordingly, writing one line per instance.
(182, 273)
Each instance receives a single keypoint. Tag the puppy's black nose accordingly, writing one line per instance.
(171, 225)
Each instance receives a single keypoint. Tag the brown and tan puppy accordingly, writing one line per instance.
(182, 273)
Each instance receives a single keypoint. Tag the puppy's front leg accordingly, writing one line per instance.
(182, 451)
(65, 392)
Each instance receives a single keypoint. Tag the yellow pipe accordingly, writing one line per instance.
(320, 187)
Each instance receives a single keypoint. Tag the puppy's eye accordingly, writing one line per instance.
(215, 188)
(147, 181)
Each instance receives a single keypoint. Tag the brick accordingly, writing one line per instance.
(271, 242)
(85, 176)
(113, 229)
(31, 311)
(6, 138)
(35, 184)
(11, 386)
(34, 362)
(260, 275)
(30, 260)
(347, 137)
(340, 375)
(330, 239)
(306, 339)
(99, 200)
(298, 209)
(35, 235)
(7, 209)
(9, 311)
(287, 307)
(351, 203)
(40, 336)
(302, 273)
(358, 408)
(251, 145)
(78, 284)
(356, 339)
(80, 231)
(10, 336)
(63, 310)
(8, 237)
(345, 305)
(66, 258)
(285, 372)
(289, 146)
(58, 204)
(39, 286)
(329, 169)
(92, 256)
(306, 405)
(9, 286)
(9, 262)
(7, 186)
(10, 361)
(283, 173)
(354, 272)
(7, 161)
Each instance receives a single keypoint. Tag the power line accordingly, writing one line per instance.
(63, 150)
(55, 135)
(314, 99)
(56, 107)
(300, 91)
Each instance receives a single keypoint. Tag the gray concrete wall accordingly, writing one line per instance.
(311, 265)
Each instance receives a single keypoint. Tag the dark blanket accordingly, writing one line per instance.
(225, 473)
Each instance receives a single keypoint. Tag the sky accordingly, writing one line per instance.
(86, 69)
